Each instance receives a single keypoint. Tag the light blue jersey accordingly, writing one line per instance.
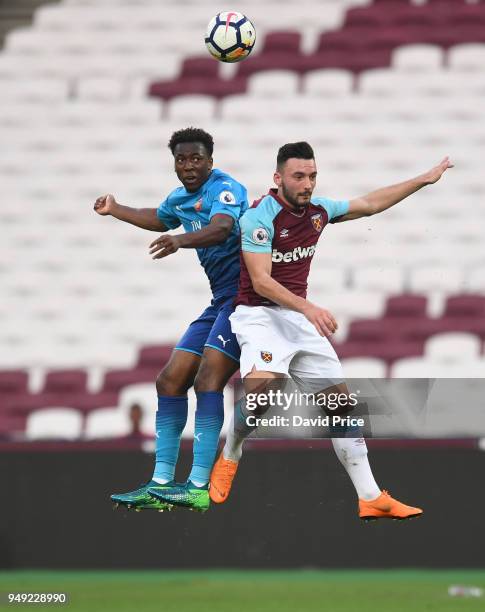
(220, 194)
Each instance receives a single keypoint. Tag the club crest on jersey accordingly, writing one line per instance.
(317, 222)
(198, 205)
(227, 197)
(266, 356)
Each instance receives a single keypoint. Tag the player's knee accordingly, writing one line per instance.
(207, 379)
(168, 385)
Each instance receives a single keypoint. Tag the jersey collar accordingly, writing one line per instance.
(274, 194)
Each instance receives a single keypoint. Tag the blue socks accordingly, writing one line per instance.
(209, 418)
(170, 422)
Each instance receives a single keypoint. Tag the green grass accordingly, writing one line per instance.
(252, 591)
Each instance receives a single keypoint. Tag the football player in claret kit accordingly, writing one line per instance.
(279, 331)
(208, 205)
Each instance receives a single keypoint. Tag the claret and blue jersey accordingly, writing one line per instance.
(220, 194)
(271, 226)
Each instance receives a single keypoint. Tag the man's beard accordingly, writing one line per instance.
(292, 199)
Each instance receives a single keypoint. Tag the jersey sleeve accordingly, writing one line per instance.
(228, 198)
(334, 208)
(257, 231)
(167, 216)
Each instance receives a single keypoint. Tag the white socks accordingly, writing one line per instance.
(352, 453)
(234, 442)
(161, 480)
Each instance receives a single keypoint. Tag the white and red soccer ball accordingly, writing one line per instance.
(230, 36)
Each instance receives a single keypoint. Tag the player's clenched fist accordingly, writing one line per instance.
(322, 319)
(104, 204)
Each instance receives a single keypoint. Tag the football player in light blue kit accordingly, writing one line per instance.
(208, 206)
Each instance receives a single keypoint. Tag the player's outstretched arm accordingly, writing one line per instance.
(382, 199)
(216, 232)
(146, 218)
(259, 268)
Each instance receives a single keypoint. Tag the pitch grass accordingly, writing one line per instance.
(249, 591)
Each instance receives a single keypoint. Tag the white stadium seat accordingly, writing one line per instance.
(98, 89)
(418, 58)
(436, 278)
(106, 423)
(273, 84)
(364, 367)
(191, 108)
(453, 347)
(35, 91)
(382, 278)
(54, 423)
(467, 57)
(424, 367)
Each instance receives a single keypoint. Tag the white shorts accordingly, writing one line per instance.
(275, 339)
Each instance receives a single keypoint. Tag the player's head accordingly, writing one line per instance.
(192, 151)
(296, 173)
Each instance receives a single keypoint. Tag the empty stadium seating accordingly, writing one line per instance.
(382, 89)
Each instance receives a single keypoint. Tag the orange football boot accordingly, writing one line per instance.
(222, 476)
(386, 506)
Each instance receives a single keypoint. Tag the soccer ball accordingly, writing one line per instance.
(230, 37)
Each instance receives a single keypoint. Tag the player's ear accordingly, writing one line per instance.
(277, 178)
(210, 163)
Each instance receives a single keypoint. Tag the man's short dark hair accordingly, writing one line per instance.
(298, 150)
(192, 134)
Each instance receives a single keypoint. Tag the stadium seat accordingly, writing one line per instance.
(280, 51)
(327, 83)
(99, 89)
(106, 423)
(364, 367)
(475, 280)
(65, 382)
(191, 108)
(198, 76)
(54, 424)
(434, 278)
(155, 356)
(416, 58)
(35, 91)
(406, 305)
(273, 83)
(465, 305)
(468, 57)
(384, 279)
(115, 380)
(12, 382)
(423, 367)
(453, 346)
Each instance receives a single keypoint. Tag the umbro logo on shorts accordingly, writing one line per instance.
(266, 356)
(294, 255)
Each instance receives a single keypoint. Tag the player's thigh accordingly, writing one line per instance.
(220, 359)
(316, 364)
(179, 373)
(264, 347)
(221, 338)
(195, 337)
